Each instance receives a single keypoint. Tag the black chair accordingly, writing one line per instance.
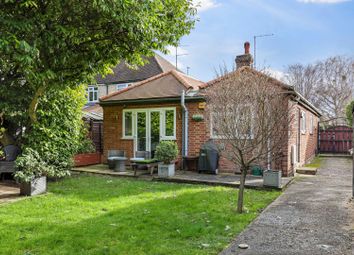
(11, 153)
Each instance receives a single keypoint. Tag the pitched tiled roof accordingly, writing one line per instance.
(172, 82)
(123, 74)
(244, 69)
(93, 112)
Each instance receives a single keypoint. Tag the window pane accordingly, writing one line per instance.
(155, 131)
(169, 123)
(90, 96)
(128, 121)
(141, 139)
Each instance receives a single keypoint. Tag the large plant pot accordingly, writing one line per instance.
(87, 159)
(166, 170)
(35, 187)
(272, 178)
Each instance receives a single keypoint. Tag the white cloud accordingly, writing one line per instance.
(203, 5)
(279, 75)
(323, 1)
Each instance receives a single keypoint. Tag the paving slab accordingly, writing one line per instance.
(191, 177)
(315, 216)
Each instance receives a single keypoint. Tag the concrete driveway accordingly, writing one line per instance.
(315, 215)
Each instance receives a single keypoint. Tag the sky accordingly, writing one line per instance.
(304, 31)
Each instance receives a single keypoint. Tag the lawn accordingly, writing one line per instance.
(102, 215)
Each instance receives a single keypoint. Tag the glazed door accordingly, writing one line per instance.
(154, 135)
(141, 143)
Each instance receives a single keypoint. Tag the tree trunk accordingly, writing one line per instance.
(34, 103)
(241, 189)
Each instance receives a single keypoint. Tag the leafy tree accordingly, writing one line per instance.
(61, 43)
(349, 113)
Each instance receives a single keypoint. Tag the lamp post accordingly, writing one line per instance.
(255, 45)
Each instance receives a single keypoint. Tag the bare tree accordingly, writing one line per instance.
(250, 116)
(328, 84)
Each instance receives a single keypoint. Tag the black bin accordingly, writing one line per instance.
(208, 161)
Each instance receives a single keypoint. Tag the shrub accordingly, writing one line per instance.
(349, 113)
(166, 151)
(30, 165)
(86, 146)
(60, 130)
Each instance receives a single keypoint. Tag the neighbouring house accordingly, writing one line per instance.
(122, 77)
(169, 106)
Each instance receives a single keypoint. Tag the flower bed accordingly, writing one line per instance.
(87, 159)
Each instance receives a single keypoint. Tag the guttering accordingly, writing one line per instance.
(184, 126)
(307, 104)
(151, 100)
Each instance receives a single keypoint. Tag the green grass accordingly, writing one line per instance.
(101, 215)
(315, 163)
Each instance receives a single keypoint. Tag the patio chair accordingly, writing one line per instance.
(116, 160)
(11, 153)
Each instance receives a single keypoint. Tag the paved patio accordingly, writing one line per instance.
(9, 191)
(230, 180)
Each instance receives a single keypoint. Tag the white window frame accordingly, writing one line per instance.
(133, 125)
(311, 125)
(126, 85)
(244, 136)
(93, 89)
(303, 122)
(162, 111)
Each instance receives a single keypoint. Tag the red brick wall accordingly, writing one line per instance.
(113, 132)
(307, 141)
(199, 133)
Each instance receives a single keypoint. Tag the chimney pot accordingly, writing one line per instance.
(247, 46)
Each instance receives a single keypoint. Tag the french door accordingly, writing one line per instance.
(148, 126)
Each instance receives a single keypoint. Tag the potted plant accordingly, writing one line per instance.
(166, 152)
(32, 173)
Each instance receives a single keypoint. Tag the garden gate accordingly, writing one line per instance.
(335, 139)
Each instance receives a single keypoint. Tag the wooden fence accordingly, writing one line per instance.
(337, 139)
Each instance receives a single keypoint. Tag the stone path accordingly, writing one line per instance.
(314, 216)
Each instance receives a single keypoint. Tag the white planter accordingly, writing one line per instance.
(35, 187)
(166, 170)
(272, 178)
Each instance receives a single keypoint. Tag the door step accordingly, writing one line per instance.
(306, 170)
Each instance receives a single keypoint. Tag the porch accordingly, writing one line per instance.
(222, 179)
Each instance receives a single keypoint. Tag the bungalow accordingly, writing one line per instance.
(165, 106)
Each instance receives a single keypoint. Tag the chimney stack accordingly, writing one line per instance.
(245, 59)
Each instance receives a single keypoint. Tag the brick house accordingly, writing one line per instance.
(164, 107)
(124, 76)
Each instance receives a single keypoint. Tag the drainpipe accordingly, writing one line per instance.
(184, 127)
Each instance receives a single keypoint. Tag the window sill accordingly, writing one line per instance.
(127, 138)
